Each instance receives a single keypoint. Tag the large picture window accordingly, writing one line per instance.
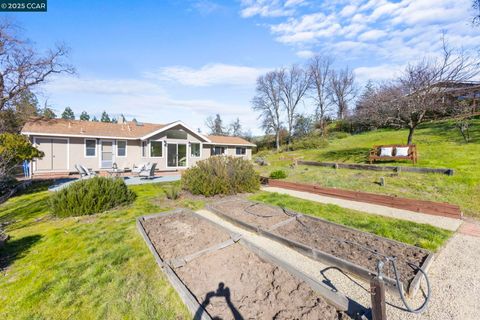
(177, 134)
(90, 148)
(156, 149)
(195, 150)
(216, 151)
(121, 148)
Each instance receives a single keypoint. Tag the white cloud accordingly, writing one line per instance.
(270, 8)
(209, 75)
(305, 54)
(372, 35)
(382, 72)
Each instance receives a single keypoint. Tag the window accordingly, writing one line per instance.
(195, 150)
(144, 149)
(156, 148)
(218, 151)
(90, 147)
(241, 151)
(121, 148)
(177, 134)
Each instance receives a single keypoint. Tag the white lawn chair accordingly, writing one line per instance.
(88, 173)
(137, 169)
(148, 172)
(81, 172)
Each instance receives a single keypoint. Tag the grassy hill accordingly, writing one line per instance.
(439, 144)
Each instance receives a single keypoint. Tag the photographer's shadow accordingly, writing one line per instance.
(221, 291)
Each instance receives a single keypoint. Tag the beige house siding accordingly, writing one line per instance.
(75, 152)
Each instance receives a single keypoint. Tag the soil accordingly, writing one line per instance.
(255, 214)
(234, 281)
(181, 234)
(330, 238)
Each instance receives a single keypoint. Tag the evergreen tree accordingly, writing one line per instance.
(48, 113)
(68, 114)
(105, 117)
(84, 116)
(216, 125)
(94, 119)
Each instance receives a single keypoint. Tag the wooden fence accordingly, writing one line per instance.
(423, 206)
(373, 167)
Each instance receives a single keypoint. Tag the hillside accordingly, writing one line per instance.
(439, 144)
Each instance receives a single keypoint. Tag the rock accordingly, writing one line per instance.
(3, 238)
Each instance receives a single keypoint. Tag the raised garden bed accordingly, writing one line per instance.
(217, 279)
(352, 250)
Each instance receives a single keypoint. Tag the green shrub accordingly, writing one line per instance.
(278, 174)
(7, 183)
(90, 196)
(221, 175)
(173, 192)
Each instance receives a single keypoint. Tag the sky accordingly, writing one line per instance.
(166, 60)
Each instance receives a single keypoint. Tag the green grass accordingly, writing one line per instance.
(90, 267)
(439, 145)
(420, 235)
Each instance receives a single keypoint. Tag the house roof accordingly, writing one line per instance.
(228, 140)
(79, 128)
(130, 130)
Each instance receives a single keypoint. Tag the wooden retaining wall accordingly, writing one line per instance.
(373, 167)
(423, 206)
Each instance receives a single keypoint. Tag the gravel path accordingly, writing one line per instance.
(437, 221)
(454, 275)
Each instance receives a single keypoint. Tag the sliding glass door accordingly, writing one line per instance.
(176, 155)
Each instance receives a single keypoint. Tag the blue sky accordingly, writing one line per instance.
(161, 61)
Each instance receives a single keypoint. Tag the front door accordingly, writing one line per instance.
(176, 155)
(106, 154)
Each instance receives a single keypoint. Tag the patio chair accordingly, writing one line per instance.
(148, 172)
(137, 169)
(88, 173)
(80, 171)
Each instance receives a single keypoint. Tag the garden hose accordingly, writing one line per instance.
(408, 308)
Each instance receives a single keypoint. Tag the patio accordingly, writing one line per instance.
(64, 182)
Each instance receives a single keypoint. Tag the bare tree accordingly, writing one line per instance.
(267, 102)
(342, 90)
(236, 128)
(215, 124)
(476, 12)
(22, 67)
(421, 93)
(294, 83)
(319, 68)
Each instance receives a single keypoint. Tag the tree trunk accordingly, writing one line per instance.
(277, 140)
(410, 135)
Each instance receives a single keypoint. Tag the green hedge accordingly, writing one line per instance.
(221, 175)
(278, 174)
(90, 196)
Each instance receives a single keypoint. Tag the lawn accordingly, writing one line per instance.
(420, 235)
(91, 267)
(439, 144)
(98, 266)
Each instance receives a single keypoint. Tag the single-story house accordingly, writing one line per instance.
(98, 145)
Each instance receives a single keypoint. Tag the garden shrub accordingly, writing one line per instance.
(173, 192)
(221, 175)
(7, 183)
(278, 174)
(90, 196)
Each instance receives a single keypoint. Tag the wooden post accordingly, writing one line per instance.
(377, 291)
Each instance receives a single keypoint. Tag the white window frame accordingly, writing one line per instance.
(147, 148)
(242, 154)
(85, 148)
(126, 144)
(200, 150)
(150, 148)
